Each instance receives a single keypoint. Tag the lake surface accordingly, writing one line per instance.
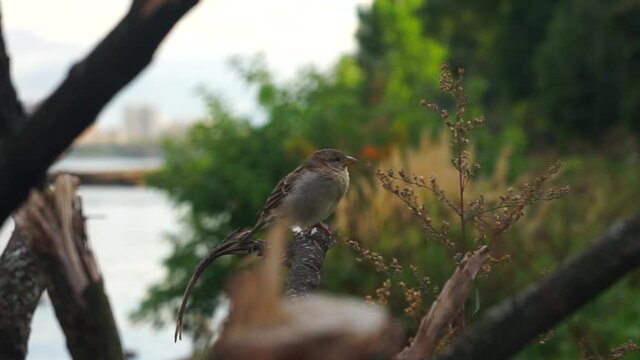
(105, 164)
(126, 228)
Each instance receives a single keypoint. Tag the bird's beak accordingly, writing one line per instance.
(349, 160)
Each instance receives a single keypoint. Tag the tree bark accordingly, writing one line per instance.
(11, 111)
(74, 105)
(30, 144)
(446, 308)
(21, 286)
(54, 224)
(510, 325)
(305, 259)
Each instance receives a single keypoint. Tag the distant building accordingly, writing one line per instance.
(176, 129)
(96, 135)
(141, 122)
(142, 125)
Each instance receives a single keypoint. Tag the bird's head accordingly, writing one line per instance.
(335, 159)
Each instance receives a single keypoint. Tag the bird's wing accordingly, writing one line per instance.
(280, 191)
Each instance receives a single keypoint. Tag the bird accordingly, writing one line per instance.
(300, 200)
(308, 194)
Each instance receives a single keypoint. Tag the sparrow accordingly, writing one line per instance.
(302, 199)
(308, 194)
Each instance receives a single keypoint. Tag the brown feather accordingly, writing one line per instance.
(280, 191)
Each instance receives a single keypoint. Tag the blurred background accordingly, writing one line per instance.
(242, 91)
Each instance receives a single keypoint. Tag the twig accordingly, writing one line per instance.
(445, 308)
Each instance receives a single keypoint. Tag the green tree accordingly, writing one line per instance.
(563, 70)
(575, 68)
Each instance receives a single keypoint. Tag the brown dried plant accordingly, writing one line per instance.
(489, 218)
(618, 352)
(412, 295)
(487, 215)
(623, 349)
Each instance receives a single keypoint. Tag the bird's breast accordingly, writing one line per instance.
(314, 197)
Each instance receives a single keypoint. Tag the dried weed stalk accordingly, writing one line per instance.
(624, 349)
(413, 295)
(486, 218)
(489, 218)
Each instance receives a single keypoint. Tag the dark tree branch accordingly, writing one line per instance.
(305, 258)
(510, 325)
(11, 111)
(28, 146)
(21, 286)
(54, 224)
(91, 83)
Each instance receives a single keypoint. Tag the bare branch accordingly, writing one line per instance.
(11, 111)
(446, 307)
(510, 325)
(305, 259)
(90, 85)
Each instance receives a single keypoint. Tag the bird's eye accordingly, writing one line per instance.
(336, 159)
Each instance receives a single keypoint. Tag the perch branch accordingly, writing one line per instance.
(305, 258)
(510, 325)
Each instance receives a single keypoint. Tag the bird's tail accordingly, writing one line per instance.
(230, 245)
(243, 236)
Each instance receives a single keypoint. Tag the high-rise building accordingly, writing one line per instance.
(141, 122)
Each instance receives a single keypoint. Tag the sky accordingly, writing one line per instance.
(44, 38)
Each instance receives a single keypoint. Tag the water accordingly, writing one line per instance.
(126, 228)
(105, 164)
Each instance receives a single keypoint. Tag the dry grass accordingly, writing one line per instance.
(438, 183)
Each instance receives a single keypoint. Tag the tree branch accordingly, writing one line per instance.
(11, 111)
(91, 83)
(54, 223)
(21, 286)
(510, 325)
(446, 307)
(305, 258)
